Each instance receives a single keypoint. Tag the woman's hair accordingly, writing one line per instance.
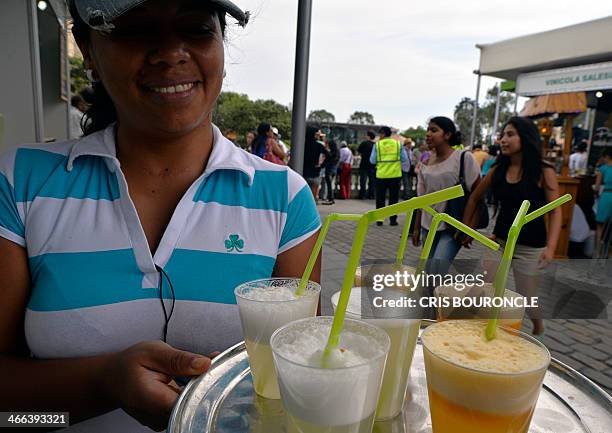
(448, 126)
(310, 134)
(101, 112)
(531, 161)
(334, 155)
(259, 142)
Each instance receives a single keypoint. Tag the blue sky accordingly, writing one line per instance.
(401, 60)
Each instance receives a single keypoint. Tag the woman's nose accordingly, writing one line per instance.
(169, 50)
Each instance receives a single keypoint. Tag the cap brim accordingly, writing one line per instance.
(99, 14)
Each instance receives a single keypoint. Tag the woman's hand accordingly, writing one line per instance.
(545, 258)
(140, 379)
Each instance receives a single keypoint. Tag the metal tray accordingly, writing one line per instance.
(223, 401)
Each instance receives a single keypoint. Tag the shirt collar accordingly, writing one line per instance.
(224, 155)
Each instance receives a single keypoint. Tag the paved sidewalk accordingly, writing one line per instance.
(585, 345)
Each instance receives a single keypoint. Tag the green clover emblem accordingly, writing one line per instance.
(234, 243)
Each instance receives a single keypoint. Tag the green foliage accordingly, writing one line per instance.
(78, 78)
(416, 134)
(506, 108)
(361, 118)
(236, 112)
(321, 116)
(464, 112)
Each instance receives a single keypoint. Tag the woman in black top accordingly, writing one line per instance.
(520, 174)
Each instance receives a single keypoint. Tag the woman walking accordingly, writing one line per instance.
(442, 171)
(518, 174)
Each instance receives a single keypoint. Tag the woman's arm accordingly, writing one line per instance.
(138, 379)
(292, 262)
(551, 188)
(479, 189)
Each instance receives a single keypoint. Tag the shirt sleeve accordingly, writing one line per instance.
(472, 170)
(302, 219)
(11, 223)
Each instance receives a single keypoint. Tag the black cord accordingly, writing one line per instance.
(167, 316)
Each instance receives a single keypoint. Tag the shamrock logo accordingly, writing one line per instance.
(234, 243)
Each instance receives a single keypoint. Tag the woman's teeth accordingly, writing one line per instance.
(173, 89)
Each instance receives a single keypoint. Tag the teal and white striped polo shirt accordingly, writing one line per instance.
(94, 281)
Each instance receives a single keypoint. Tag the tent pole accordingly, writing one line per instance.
(516, 104)
(300, 85)
(496, 117)
(475, 115)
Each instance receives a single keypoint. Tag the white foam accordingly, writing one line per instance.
(280, 293)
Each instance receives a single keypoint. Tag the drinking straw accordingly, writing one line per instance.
(319, 244)
(404, 239)
(501, 275)
(358, 241)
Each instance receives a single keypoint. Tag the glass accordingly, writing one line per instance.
(497, 399)
(266, 305)
(338, 399)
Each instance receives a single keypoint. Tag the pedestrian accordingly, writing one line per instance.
(388, 155)
(578, 160)
(266, 147)
(345, 167)
(120, 251)
(603, 190)
(77, 108)
(479, 155)
(406, 168)
(331, 168)
(519, 174)
(248, 139)
(442, 171)
(367, 170)
(313, 151)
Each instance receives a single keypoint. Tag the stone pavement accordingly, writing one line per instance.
(585, 345)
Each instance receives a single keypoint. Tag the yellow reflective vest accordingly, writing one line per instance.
(388, 159)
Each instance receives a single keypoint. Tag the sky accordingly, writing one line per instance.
(403, 61)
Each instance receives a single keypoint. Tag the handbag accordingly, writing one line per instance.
(456, 206)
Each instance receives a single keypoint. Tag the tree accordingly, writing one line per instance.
(464, 113)
(321, 116)
(78, 77)
(361, 118)
(416, 134)
(506, 108)
(236, 112)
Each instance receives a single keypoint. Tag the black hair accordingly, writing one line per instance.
(607, 152)
(493, 150)
(334, 154)
(582, 146)
(101, 111)
(76, 100)
(385, 130)
(371, 135)
(448, 126)
(477, 146)
(531, 161)
(259, 142)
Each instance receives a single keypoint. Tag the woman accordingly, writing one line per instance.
(331, 167)
(265, 145)
(604, 203)
(518, 174)
(440, 172)
(152, 203)
(345, 166)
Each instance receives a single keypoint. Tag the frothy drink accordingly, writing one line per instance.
(265, 306)
(480, 386)
(403, 334)
(336, 394)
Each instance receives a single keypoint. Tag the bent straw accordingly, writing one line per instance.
(358, 241)
(319, 244)
(501, 275)
(404, 239)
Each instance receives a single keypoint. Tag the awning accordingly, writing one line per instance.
(575, 45)
(560, 103)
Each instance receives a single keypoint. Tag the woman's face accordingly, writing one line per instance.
(510, 142)
(436, 136)
(162, 65)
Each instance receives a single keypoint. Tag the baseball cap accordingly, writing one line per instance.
(275, 130)
(99, 14)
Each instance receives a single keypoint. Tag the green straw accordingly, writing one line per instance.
(319, 244)
(501, 275)
(358, 241)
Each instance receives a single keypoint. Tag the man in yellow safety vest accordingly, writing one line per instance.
(388, 155)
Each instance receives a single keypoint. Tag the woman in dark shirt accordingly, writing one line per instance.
(520, 174)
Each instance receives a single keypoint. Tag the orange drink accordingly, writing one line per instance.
(480, 386)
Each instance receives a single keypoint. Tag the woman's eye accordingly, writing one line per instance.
(131, 32)
(197, 31)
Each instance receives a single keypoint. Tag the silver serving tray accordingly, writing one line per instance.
(223, 401)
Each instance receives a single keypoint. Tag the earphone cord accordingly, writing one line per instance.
(167, 316)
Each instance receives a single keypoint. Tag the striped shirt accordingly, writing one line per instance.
(93, 278)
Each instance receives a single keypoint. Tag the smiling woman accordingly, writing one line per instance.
(119, 251)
